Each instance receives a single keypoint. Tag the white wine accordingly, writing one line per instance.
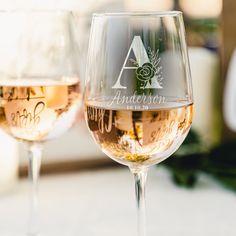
(34, 111)
(139, 137)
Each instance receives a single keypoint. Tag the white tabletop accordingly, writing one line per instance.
(102, 203)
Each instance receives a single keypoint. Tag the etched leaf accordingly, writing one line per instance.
(154, 57)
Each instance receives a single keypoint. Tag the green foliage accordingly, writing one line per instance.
(220, 162)
(203, 25)
(184, 169)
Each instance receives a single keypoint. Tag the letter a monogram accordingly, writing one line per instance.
(148, 71)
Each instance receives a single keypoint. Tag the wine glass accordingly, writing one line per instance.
(39, 83)
(138, 94)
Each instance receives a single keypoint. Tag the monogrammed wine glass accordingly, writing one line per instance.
(39, 83)
(138, 94)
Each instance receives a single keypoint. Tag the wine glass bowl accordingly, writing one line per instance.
(140, 86)
(39, 81)
(138, 91)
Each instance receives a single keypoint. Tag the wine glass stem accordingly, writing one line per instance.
(140, 177)
(35, 156)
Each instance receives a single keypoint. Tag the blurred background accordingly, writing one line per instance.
(204, 166)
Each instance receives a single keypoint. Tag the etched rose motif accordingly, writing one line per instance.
(146, 72)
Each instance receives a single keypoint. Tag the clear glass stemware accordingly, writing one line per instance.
(138, 93)
(39, 83)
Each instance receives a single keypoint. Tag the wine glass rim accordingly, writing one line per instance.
(137, 13)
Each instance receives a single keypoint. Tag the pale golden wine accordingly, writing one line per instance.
(139, 137)
(40, 111)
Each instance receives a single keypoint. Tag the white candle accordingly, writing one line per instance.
(230, 94)
(204, 68)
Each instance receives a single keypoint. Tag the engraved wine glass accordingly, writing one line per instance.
(138, 93)
(39, 83)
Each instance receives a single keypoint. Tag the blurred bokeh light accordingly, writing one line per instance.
(201, 8)
(149, 5)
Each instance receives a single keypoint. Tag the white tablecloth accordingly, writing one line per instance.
(102, 203)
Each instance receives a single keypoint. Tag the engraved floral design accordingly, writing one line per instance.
(150, 73)
(146, 72)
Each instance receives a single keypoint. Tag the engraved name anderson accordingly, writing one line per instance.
(27, 119)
